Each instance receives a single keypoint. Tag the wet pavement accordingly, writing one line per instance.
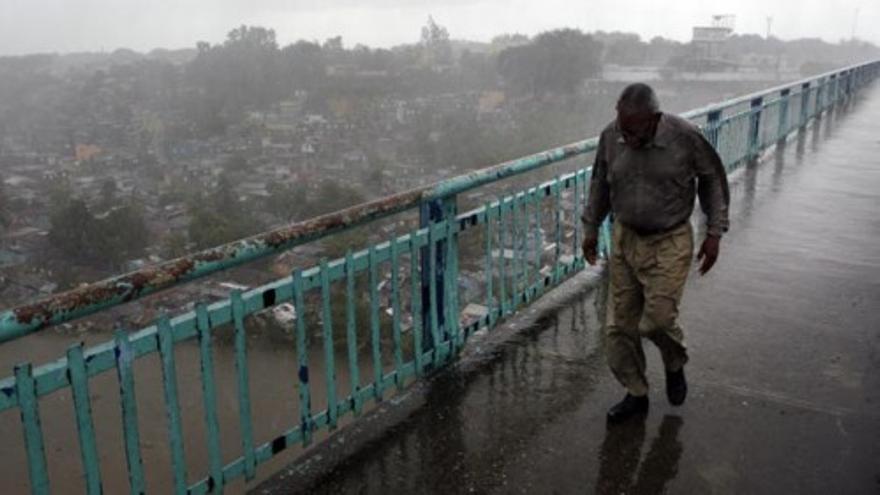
(784, 372)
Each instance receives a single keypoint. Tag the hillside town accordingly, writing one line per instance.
(120, 160)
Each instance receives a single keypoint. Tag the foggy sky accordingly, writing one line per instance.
(30, 26)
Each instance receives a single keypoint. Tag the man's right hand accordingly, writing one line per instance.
(589, 247)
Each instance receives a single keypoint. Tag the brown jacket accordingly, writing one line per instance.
(653, 188)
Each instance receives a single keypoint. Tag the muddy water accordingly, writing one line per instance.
(274, 407)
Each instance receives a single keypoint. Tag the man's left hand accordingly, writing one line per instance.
(589, 248)
(709, 253)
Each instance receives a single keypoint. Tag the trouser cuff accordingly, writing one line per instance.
(638, 391)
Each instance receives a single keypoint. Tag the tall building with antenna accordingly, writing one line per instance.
(707, 40)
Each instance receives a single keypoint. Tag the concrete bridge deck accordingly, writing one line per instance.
(784, 374)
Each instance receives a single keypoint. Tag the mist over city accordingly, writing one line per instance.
(116, 159)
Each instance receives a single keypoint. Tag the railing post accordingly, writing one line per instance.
(832, 93)
(446, 268)
(817, 111)
(840, 93)
(782, 131)
(849, 83)
(713, 124)
(754, 138)
(805, 104)
(713, 118)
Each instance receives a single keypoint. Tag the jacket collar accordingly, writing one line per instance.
(664, 134)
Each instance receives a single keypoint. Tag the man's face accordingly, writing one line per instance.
(637, 128)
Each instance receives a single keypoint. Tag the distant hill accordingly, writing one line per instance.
(60, 64)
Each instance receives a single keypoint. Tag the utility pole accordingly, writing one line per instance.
(855, 23)
(769, 25)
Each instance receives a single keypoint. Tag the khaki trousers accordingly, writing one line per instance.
(647, 277)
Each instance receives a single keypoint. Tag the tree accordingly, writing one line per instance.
(333, 46)
(108, 194)
(375, 179)
(435, 44)
(288, 202)
(245, 70)
(208, 228)
(174, 245)
(660, 50)
(111, 238)
(223, 199)
(72, 229)
(554, 62)
(372, 60)
(462, 142)
(235, 164)
(333, 196)
(219, 217)
(122, 235)
(477, 70)
(305, 65)
(627, 51)
(503, 41)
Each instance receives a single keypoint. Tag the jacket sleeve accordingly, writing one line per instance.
(712, 187)
(598, 203)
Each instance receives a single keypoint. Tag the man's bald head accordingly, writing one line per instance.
(638, 98)
(638, 112)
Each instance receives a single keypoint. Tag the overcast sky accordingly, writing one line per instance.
(29, 26)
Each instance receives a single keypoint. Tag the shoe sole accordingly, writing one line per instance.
(624, 419)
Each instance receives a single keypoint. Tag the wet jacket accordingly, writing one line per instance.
(652, 189)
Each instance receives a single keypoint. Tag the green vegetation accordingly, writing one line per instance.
(555, 61)
(219, 217)
(108, 238)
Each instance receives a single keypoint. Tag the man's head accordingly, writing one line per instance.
(637, 114)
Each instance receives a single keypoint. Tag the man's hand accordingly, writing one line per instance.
(589, 247)
(709, 253)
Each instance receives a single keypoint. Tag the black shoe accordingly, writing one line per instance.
(676, 387)
(631, 405)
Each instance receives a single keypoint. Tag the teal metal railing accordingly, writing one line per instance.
(528, 241)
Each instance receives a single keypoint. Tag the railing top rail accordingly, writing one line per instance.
(706, 109)
(67, 306)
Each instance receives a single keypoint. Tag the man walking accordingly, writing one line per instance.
(649, 168)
